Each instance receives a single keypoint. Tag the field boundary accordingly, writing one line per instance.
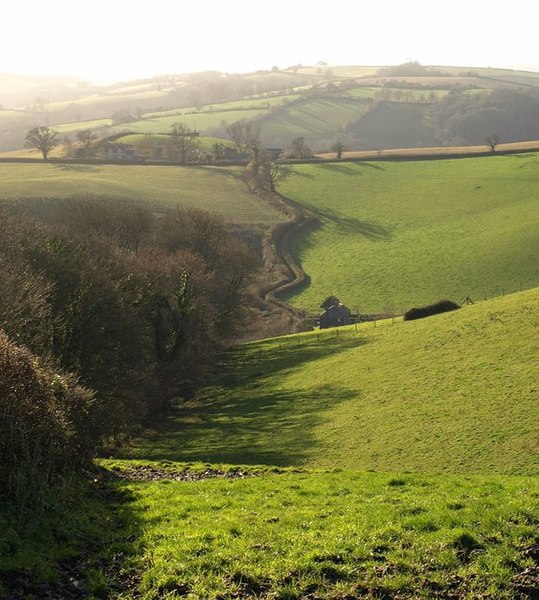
(280, 265)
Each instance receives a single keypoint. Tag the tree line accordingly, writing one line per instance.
(107, 314)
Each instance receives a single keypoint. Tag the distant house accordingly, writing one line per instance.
(117, 151)
(335, 315)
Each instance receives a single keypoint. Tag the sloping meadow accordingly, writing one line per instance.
(451, 393)
(399, 234)
(434, 423)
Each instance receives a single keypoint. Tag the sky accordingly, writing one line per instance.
(105, 41)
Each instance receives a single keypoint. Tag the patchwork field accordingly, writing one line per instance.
(400, 234)
(215, 189)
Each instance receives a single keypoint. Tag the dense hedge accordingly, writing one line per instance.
(429, 310)
(45, 423)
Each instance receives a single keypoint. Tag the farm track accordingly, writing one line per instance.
(285, 272)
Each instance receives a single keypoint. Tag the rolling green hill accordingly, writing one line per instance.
(453, 393)
(215, 189)
(400, 234)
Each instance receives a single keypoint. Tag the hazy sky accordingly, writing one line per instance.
(110, 40)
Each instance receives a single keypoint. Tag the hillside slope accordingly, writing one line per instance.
(399, 234)
(222, 190)
(453, 393)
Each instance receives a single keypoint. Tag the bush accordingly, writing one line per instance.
(432, 309)
(45, 423)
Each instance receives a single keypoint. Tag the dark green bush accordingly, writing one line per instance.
(44, 417)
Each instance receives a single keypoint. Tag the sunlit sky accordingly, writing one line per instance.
(115, 40)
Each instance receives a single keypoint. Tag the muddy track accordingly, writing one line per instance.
(284, 272)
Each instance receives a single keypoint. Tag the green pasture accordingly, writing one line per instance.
(332, 535)
(115, 100)
(454, 393)
(314, 118)
(518, 77)
(394, 235)
(259, 102)
(202, 142)
(201, 121)
(161, 187)
(81, 125)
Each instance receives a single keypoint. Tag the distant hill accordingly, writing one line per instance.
(323, 104)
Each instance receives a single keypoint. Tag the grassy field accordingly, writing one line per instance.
(400, 234)
(453, 393)
(313, 119)
(433, 421)
(215, 189)
(333, 535)
(201, 121)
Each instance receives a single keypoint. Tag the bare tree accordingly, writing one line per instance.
(270, 172)
(183, 140)
(338, 147)
(43, 138)
(299, 148)
(85, 138)
(245, 135)
(492, 141)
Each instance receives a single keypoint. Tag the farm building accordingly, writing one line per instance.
(335, 315)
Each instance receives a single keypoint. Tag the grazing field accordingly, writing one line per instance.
(161, 187)
(442, 412)
(314, 118)
(334, 535)
(452, 393)
(199, 121)
(400, 234)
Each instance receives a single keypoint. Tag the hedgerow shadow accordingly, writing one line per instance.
(70, 549)
(372, 231)
(248, 418)
(350, 168)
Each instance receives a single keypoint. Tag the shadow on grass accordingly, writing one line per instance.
(249, 418)
(347, 224)
(81, 168)
(350, 168)
(83, 545)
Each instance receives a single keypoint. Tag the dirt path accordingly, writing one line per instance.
(284, 273)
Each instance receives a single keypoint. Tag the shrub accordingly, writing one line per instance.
(432, 309)
(45, 422)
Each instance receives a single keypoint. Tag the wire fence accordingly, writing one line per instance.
(351, 332)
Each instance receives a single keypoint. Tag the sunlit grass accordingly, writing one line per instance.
(400, 234)
(454, 393)
(332, 534)
(215, 189)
